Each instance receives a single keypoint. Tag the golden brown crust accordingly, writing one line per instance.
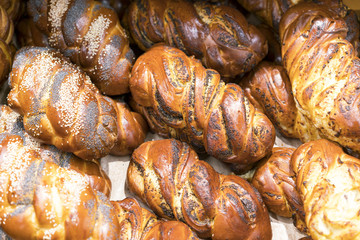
(169, 178)
(269, 89)
(6, 34)
(39, 199)
(218, 35)
(275, 181)
(138, 223)
(328, 181)
(12, 123)
(90, 34)
(184, 100)
(63, 108)
(323, 70)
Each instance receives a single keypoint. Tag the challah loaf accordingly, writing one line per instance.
(183, 100)
(90, 34)
(323, 70)
(219, 35)
(168, 176)
(63, 108)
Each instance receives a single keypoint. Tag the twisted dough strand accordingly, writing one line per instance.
(323, 70)
(218, 35)
(63, 108)
(169, 178)
(90, 34)
(275, 181)
(268, 88)
(182, 99)
(6, 34)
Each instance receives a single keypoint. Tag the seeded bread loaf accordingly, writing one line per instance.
(168, 176)
(219, 35)
(90, 34)
(182, 99)
(62, 107)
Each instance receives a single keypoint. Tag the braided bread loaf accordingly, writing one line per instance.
(328, 181)
(89, 33)
(169, 178)
(218, 35)
(275, 181)
(12, 123)
(42, 200)
(323, 70)
(268, 88)
(182, 99)
(63, 108)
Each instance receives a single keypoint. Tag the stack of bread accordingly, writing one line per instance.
(222, 81)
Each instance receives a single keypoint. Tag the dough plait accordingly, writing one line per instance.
(183, 100)
(12, 123)
(168, 176)
(323, 70)
(14, 8)
(275, 181)
(90, 34)
(62, 107)
(328, 181)
(219, 35)
(42, 200)
(269, 89)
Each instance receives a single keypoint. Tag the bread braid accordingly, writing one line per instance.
(63, 108)
(218, 35)
(90, 34)
(40, 199)
(328, 181)
(12, 123)
(168, 176)
(269, 89)
(275, 181)
(323, 70)
(191, 103)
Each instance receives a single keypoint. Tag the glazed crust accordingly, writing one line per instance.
(169, 178)
(269, 89)
(275, 181)
(12, 123)
(183, 100)
(39, 199)
(63, 108)
(90, 34)
(219, 35)
(323, 70)
(328, 181)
